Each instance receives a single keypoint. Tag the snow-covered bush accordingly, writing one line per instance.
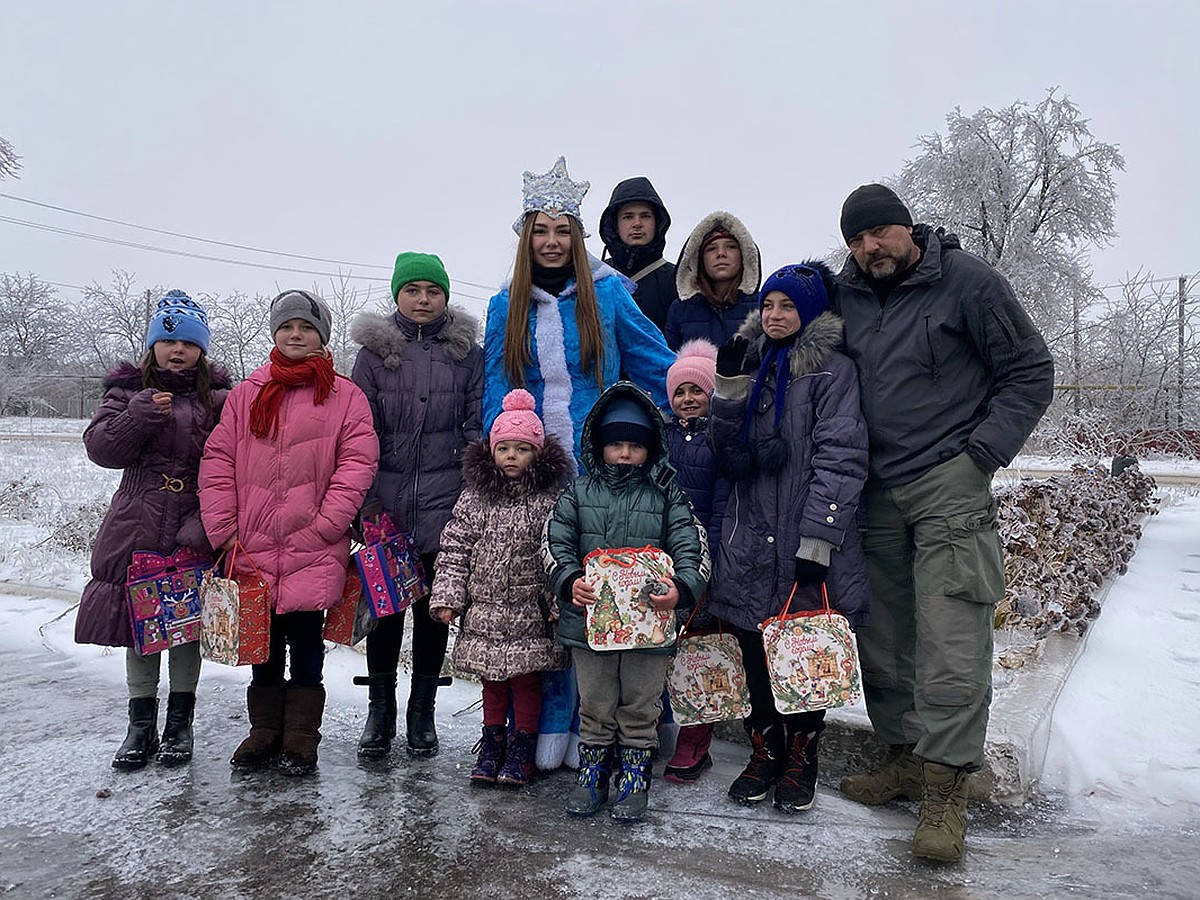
(1063, 539)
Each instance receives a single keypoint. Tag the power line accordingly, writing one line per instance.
(218, 243)
(55, 229)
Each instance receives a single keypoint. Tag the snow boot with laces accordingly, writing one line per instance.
(490, 748)
(796, 790)
(176, 746)
(518, 762)
(942, 823)
(591, 780)
(763, 769)
(898, 776)
(633, 785)
(141, 740)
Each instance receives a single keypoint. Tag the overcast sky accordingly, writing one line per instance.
(352, 131)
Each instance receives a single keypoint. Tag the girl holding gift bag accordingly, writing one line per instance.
(283, 476)
(421, 369)
(690, 382)
(787, 427)
(152, 424)
(490, 576)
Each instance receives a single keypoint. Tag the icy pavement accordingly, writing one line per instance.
(70, 826)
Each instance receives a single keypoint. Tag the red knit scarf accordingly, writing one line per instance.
(288, 373)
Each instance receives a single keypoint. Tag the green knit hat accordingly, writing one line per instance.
(419, 267)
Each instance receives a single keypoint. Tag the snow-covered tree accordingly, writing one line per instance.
(118, 316)
(241, 336)
(9, 161)
(1029, 189)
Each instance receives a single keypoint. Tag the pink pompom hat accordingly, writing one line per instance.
(518, 421)
(697, 363)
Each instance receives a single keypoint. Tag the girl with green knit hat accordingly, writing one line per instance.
(422, 371)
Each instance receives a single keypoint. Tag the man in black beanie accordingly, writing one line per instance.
(954, 378)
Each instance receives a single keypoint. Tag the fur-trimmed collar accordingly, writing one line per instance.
(551, 471)
(687, 270)
(821, 337)
(129, 376)
(383, 336)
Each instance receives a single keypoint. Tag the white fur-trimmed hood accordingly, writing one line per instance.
(383, 336)
(820, 337)
(688, 268)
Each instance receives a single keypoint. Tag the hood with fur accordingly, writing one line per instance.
(687, 269)
(550, 471)
(129, 376)
(386, 336)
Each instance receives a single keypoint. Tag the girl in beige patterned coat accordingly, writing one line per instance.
(490, 577)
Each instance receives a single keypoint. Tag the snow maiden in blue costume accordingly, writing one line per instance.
(565, 328)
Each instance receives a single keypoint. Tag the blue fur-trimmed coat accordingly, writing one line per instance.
(814, 495)
(565, 393)
(425, 387)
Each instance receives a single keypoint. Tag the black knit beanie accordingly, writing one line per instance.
(872, 205)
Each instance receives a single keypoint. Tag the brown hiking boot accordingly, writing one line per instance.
(897, 776)
(942, 825)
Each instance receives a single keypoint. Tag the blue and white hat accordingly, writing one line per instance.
(178, 318)
(553, 193)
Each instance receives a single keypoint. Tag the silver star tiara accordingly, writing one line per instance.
(553, 193)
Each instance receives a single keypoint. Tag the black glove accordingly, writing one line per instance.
(809, 572)
(731, 357)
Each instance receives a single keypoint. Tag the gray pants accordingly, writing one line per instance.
(141, 672)
(620, 696)
(936, 570)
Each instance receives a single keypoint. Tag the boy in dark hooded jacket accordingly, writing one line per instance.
(627, 498)
(634, 229)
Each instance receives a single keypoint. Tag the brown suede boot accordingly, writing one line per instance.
(302, 712)
(897, 776)
(264, 703)
(942, 825)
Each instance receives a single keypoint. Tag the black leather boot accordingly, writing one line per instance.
(422, 735)
(380, 727)
(176, 747)
(141, 741)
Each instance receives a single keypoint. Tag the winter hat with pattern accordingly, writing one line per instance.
(518, 421)
(872, 205)
(803, 286)
(419, 267)
(302, 305)
(697, 363)
(178, 318)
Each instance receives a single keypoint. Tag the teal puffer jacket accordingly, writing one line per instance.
(622, 506)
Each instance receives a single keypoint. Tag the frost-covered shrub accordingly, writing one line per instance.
(1065, 537)
(77, 529)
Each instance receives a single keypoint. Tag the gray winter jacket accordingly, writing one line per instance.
(425, 387)
(811, 491)
(950, 363)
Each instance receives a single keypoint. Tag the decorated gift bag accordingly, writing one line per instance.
(393, 577)
(812, 659)
(235, 614)
(622, 618)
(350, 619)
(164, 598)
(707, 680)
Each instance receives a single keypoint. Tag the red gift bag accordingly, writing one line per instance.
(349, 620)
(235, 614)
(164, 598)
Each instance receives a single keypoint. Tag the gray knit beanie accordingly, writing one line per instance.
(302, 305)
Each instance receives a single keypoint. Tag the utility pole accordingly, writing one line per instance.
(1179, 355)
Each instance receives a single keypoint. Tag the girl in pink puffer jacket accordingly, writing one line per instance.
(284, 474)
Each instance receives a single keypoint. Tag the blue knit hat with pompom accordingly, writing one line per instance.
(178, 318)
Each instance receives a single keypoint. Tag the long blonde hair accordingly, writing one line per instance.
(518, 342)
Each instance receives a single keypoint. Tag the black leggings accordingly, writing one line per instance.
(762, 701)
(429, 637)
(303, 632)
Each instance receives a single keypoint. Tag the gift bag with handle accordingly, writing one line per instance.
(235, 613)
(812, 659)
(350, 619)
(707, 679)
(164, 598)
(622, 618)
(393, 577)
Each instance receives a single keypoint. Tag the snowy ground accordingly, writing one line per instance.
(1121, 816)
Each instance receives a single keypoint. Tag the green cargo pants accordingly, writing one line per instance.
(936, 571)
